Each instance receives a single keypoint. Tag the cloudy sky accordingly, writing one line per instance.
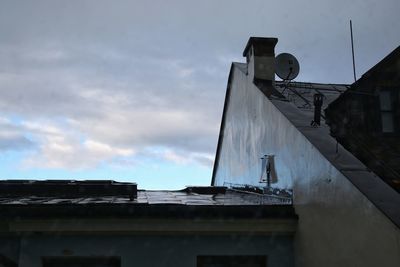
(133, 90)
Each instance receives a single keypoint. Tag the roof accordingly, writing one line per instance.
(386, 61)
(357, 88)
(375, 189)
(297, 109)
(301, 94)
(190, 202)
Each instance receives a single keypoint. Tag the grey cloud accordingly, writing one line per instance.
(142, 74)
(172, 110)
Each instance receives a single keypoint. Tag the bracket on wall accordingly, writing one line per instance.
(268, 171)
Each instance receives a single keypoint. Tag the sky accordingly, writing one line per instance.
(134, 90)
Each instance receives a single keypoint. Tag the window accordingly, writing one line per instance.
(232, 261)
(387, 106)
(81, 261)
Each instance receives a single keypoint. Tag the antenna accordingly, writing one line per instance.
(352, 51)
(286, 66)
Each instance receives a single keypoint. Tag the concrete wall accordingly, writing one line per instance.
(164, 250)
(9, 248)
(338, 225)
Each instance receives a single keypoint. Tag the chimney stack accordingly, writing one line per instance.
(260, 57)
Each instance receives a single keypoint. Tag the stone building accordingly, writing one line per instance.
(366, 119)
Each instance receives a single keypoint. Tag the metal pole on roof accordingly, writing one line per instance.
(352, 51)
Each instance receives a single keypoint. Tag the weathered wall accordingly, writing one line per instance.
(338, 225)
(166, 250)
(9, 249)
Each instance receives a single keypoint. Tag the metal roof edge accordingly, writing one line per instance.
(147, 211)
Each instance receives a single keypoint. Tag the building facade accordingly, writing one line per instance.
(348, 216)
(108, 224)
(366, 119)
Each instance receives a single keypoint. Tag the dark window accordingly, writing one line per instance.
(388, 100)
(81, 261)
(232, 261)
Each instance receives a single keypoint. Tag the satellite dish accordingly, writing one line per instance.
(286, 66)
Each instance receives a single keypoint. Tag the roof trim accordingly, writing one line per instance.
(145, 211)
(266, 226)
(372, 71)
(354, 88)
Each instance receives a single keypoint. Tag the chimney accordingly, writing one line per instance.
(260, 57)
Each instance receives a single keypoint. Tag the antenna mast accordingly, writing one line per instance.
(352, 51)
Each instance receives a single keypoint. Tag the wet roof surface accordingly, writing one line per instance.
(182, 197)
(193, 202)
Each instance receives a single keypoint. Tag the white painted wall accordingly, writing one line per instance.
(338, 225)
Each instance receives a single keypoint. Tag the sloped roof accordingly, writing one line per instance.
(375, 70)
(301, 93)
